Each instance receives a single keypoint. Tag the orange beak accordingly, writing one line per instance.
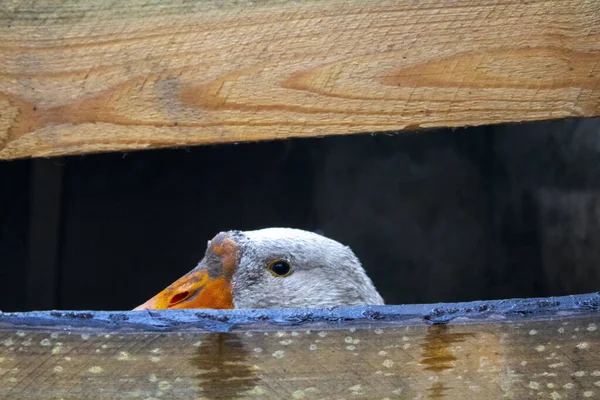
(201, 288)
(193, 290)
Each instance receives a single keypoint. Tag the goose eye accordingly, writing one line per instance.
(280, 268)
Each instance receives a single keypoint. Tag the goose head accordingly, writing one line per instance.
(271, 268)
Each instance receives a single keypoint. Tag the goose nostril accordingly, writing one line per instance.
(179, 297)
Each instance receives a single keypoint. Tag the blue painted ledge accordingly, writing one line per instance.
(343, 317)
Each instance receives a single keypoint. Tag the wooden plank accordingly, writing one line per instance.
(14, 218)
(546, 348)
(44, 234)
(88, 76)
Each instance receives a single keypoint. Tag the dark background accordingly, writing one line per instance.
(447, 215)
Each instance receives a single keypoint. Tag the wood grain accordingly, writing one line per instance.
(551, 359)
(87, 76)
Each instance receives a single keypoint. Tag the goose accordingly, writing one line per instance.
(271, 268)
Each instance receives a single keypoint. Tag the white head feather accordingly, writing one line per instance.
(325, 273)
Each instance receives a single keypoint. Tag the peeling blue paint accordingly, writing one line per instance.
(336, 318)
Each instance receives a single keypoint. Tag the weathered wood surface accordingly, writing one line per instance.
(534, 349)
(89, 76)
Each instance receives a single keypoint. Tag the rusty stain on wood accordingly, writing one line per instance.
(534, 348)
(84, 76)
(436, 352)
(223, 358)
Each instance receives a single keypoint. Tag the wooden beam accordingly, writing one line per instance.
(44, 234)
(88, 76)
(546, 348)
